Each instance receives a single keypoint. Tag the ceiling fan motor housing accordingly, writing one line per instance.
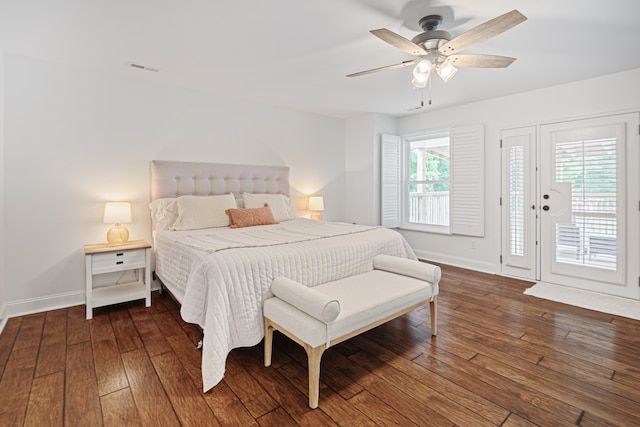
(432, 39)
(430, 22)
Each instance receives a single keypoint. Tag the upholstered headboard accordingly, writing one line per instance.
(174, 179)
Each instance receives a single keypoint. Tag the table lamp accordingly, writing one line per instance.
(316, 204)
(117, 213)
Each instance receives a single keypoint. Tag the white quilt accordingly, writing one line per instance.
(223, 275)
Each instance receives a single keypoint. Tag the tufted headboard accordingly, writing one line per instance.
(174, 179)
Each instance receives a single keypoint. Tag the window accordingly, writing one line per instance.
(427, 180)
(434, 181)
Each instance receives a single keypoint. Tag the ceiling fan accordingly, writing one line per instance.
(435, 50)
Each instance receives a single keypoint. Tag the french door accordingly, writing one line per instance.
(589, 216)
(585, 216)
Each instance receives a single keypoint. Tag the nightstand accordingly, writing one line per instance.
(108, 258)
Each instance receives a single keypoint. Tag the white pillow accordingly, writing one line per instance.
(195, 212)
(279, 204)
(163, 213)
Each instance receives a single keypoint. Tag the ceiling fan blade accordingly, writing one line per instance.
(483, 32)
(396, 40)
(388, 67)
(480, 61)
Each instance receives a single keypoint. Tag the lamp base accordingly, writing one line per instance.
(316, 216)
(117, 234)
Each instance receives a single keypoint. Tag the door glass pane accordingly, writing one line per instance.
(589, 167)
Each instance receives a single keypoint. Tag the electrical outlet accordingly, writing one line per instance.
(473, 244)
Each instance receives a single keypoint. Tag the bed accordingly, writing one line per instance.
(222, 275)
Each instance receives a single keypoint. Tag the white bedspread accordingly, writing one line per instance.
(223, 275)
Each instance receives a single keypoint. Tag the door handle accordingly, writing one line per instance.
(545, 208)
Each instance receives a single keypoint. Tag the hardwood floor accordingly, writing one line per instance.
(500, 359)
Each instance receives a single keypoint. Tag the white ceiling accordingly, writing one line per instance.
(296, 53)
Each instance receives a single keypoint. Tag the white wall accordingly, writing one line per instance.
(604, 95)
(362, 165)
(75, 138)
(359, 143)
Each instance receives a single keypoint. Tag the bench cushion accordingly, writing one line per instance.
(364, 299)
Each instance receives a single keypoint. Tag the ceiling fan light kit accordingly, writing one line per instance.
(446, 71)
(421, 73)
(435, 49)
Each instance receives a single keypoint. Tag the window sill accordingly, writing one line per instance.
(433, 229)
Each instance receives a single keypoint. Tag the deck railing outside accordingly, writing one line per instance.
(595, 223)
(429, 208)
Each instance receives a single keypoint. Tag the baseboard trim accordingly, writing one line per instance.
(483, 267)
(3, 317)
(38, 305)
(50, 302)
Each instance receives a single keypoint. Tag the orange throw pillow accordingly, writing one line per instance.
(248, 217)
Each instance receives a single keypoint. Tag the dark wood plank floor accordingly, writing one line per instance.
(500, 359)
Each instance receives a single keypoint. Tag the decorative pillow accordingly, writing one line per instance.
(195, 212)
(248, 217)
(279, 203)
(163, 213)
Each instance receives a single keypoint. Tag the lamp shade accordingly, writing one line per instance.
(316, 203)
(117, 213)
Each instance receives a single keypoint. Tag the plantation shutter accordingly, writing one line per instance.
(518, 198)
(467, 181)
(391, 180)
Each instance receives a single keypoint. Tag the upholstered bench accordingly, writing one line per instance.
(324, 315)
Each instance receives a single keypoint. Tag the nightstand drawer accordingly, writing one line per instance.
(118, 260)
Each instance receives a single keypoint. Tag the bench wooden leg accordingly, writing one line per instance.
(434, 315)
(268, 341)
(314, 355)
